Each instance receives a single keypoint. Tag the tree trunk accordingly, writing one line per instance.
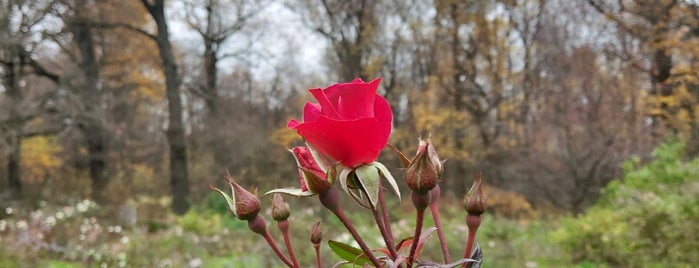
(211, 47)
(90, 121)
(13, 70)
(13, 163)
(175, 131)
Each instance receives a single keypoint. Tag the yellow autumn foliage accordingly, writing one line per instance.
(40, 157)
(284, 137)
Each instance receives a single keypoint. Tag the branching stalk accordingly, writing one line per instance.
(274, 247)
(330, 200)
(384, 226)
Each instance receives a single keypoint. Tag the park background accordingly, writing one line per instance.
(115, 116)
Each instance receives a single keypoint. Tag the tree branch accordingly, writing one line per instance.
(41, 71)
(112, 25)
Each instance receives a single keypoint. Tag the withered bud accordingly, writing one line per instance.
(316, 233)
(475, 201)
(425, 169)
(247, 205)
(280, 209)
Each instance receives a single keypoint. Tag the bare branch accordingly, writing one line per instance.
(41, 71)
(112, 25)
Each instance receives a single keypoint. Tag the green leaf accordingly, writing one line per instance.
(349, 253)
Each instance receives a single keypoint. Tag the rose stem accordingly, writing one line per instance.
(259, 226)
(383, 226)
(386, 218)
(420, 201)
(279, 253)
(472, 221)
(434, 208)
(284, 227)
(317, 248)
(331, 200)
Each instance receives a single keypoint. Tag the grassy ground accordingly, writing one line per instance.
(82, 236)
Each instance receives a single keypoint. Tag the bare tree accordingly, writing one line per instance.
(176, 133)
(220, 21)
(18, 21)
(90, 117)
(350, 28)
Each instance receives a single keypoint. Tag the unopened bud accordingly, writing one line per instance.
(316, 233)
(425, 169)
(475, 201)
(242, 203)
(313, 177)
(280, 209)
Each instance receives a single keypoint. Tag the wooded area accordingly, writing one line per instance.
(546, 98)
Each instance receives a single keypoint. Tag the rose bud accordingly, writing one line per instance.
(280, 209)
(425, 169)
(244, 204)
(313, 178)
(316, 233)
(475, 200)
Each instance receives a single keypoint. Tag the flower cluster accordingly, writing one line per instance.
(345, 130)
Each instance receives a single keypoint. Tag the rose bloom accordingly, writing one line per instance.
(350, 123)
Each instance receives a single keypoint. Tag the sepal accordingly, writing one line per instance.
(363, 183)
(297, 192)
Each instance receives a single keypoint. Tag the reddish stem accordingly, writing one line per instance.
(384, 227)
(331, 200)
(434, 208)
(386, 218)
(416, 236)
(317, 248)
(420, 201)
(472, 221)
(274, 247)
(284, 227)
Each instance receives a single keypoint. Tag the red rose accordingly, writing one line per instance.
(350, 123)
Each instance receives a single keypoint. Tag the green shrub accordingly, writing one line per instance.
(648, 219)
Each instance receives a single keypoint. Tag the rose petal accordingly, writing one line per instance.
(352, 143)
(311, 112)
(353, 100)
(326, 106)
(384, 115)
(357, 100)
(293, 124)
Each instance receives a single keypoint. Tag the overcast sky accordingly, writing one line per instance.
(277, 32)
